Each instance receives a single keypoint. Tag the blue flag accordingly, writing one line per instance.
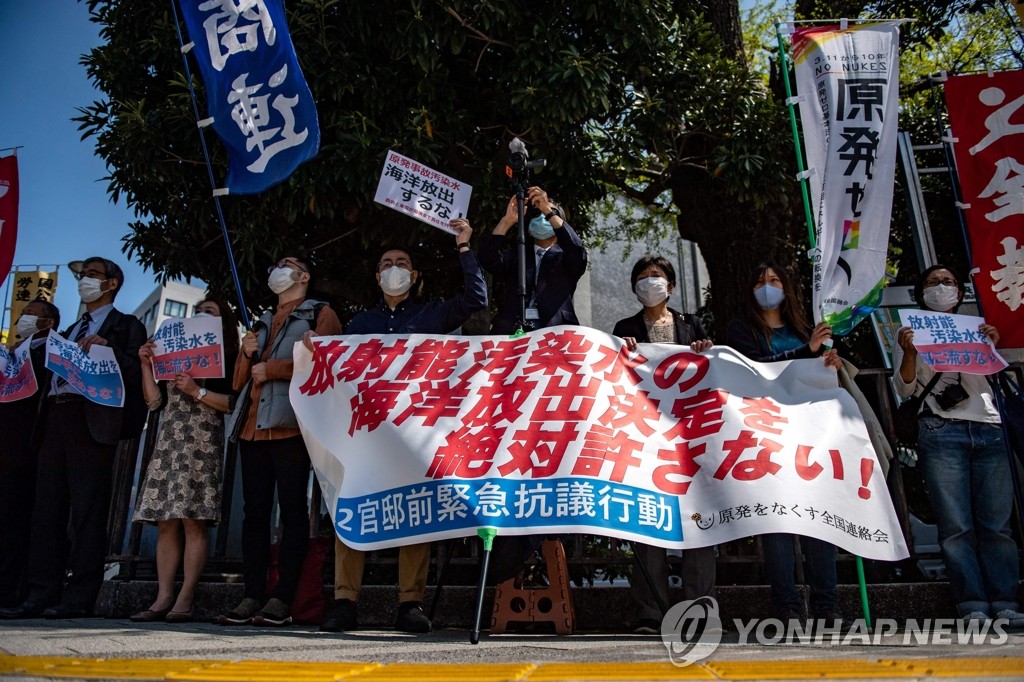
(256, 94)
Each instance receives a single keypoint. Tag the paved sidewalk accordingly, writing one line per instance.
(120, 650)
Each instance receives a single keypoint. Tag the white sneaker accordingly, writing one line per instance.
(979, 616)
(1015, 618)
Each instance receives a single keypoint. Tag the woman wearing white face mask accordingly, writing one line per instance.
(653, 280)
(963, 455)
(774, 328)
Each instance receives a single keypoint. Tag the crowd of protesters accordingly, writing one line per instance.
(57, 456)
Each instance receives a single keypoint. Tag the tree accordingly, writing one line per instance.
(653, 101)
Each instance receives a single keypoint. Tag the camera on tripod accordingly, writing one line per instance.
(518, 166)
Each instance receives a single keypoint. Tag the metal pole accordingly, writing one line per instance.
(487, 535)
(790, 105)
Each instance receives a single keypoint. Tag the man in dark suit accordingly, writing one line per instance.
(19, 449)
(77, 455)
(555, 262)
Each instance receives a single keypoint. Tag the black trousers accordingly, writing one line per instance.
(267, 464)
(73, 484)
(17, 496)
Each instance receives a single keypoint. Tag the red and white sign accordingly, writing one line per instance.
(417, 438)
(17, 378)
(421, 192)
(952, 343)
(986, 114)
(192, 346)
(8, 212)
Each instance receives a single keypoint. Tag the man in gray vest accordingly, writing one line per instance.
(272, 451)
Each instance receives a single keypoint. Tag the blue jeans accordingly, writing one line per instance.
(779, 568)
(967, 471)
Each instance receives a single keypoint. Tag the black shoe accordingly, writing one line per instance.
(62, 612)
(27, 610)
(342, 617)
(411, 618)
(831, 621)
(646, 626)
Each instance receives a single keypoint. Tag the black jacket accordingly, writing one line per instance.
(688, 328)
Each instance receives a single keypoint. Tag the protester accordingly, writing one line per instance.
(397, 313)
(76, 458)
(556, 260)
(19, 450)
(653, 279)
(966, 465)
(272, 451)
(181, 488)
(774, 328)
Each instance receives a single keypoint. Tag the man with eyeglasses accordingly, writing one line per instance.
(273, 454)
(76, 458)
(397, 313)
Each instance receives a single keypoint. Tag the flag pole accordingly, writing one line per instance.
(209, 169)
(802, 174)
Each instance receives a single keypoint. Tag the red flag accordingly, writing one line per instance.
(986, 114)
(8, 212)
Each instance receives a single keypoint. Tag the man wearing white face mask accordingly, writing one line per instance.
(272, 453)
(653, 279)
(77, 456)
(963, 454)
(397, 313)
(555, 262)
(19, 454)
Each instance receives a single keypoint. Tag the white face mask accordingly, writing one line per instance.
(202, 314)
(941, 297)
(280, 280)
(769, 297)
(89, 289)
(651, 291)
(27, 325)
(395, 281)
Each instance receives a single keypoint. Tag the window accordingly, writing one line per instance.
(175, 308)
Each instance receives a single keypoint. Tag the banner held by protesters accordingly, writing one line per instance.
(96, 374)
(17, 378)
(418, 438)
(191, 345)
(421, 192)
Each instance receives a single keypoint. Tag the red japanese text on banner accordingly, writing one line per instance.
(417, 438)
(987, 118)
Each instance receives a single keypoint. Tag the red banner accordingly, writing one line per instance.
(8, 212)
(987, 117)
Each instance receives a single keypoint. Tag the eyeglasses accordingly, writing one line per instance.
(948, 281)
(286, 264)
(91, 272)
(403, 263)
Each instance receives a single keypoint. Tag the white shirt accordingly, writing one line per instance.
(980, 405)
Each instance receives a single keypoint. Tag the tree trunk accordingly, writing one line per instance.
(724, 17)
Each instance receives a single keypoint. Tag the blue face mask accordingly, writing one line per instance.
(540, 228)
(769, 297)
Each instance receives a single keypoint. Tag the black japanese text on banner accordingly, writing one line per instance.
(848, 81)
(417, 438)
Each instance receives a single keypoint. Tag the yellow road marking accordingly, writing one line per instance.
(206, 670)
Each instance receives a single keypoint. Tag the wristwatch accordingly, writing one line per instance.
(549, 216)
(202, 394)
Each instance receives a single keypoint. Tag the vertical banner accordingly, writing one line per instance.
(987, 117)
(29, 285)
(8, 212)
(848, 85)
(256, 94)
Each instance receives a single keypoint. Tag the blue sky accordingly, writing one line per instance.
(65, 213)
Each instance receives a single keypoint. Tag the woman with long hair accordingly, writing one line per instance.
(774, 328)
(182, 486)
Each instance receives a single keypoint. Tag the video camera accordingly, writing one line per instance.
(518, 166)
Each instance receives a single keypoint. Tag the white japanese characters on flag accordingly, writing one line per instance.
(986, 114)
(848, 80)
(416, 190)
(952, 343)
(417, 437)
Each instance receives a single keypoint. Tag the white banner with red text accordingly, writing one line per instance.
(848, 80)
(417, 438)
